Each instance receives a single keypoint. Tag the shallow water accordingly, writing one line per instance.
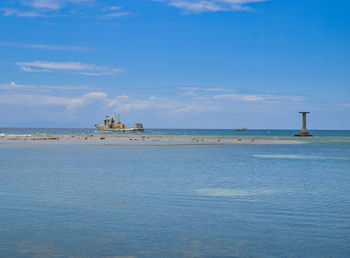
(186, 132)
(175, 201)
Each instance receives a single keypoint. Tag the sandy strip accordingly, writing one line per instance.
(138, 139)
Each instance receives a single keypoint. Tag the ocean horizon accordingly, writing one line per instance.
(175, 131)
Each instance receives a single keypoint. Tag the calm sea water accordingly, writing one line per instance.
(175, 201)
(202, 132)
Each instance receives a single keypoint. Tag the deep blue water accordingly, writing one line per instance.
(175, 201)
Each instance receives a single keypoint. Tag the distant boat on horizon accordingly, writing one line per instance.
(242, 129)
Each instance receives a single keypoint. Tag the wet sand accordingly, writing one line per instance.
(139, 139)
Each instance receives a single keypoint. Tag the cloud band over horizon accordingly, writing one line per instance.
(75, 67)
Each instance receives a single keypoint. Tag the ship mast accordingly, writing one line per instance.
(117, 116)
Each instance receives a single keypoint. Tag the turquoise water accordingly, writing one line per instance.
(175, 201)
(202, 132)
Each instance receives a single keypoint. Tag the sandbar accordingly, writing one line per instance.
(143, 139)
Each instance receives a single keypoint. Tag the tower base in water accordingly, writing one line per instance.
(303, 134)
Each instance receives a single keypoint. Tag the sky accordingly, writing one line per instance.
(175, 63)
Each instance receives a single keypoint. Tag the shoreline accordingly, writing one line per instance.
(142, 139)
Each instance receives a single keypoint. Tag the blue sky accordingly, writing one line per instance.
(175, 63)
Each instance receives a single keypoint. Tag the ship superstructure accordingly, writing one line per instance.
(113, 124)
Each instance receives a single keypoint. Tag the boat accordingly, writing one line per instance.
(110, 125)
(242, 129)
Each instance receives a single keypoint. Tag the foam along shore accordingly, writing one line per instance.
(142, 139)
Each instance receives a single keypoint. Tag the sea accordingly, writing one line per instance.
(228, 200)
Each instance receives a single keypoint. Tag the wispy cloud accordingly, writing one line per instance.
(76, 67)
(15, 87)
(47, 4)
(34, 100)
(114, 15)
(52, 4)
(198, 91)
(46, 47)
(125, 103)
(57, 47)
(205, 89)
(222, 94)
(199, 6)
(219, 89)
(69, 103)
(86, 99)
(114, 8)
(120, 103)
(112, 12)
(188, 88)
(31, 70)
(20, 13)
(169, 108)
(258, 97)
(344, 105)
(59, 8)
(101, 10)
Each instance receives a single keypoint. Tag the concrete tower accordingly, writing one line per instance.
(303, 131)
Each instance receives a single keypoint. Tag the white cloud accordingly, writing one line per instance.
(198, 6)
(77, 67)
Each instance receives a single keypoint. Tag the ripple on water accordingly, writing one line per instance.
(226, 192)
(293, 156)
